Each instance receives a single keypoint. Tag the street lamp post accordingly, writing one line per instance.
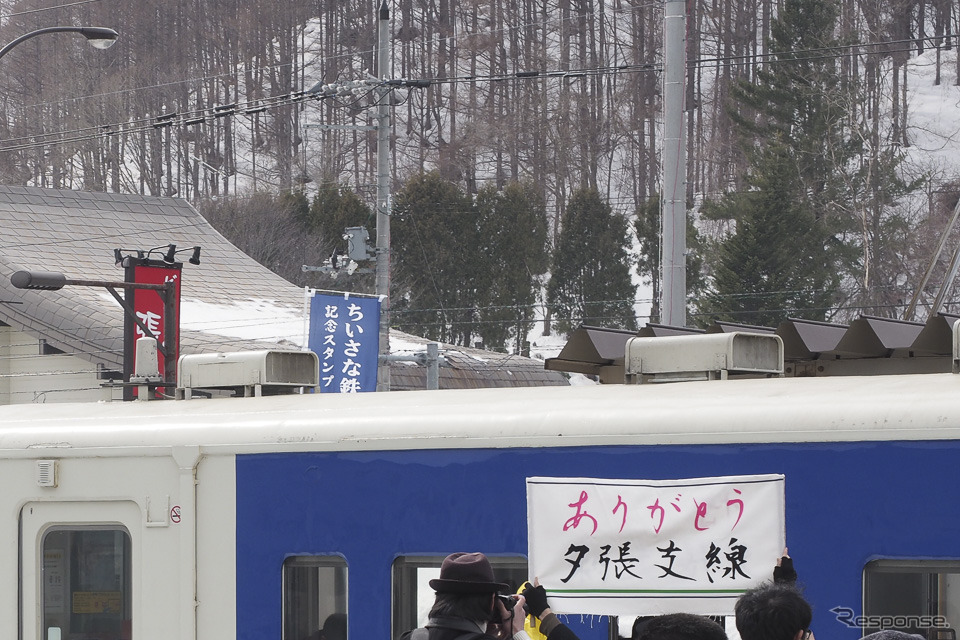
(52, 281)
(99, 37)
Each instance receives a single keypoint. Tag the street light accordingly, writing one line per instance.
(99, 37)
(53, 281)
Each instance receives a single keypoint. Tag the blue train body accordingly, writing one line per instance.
(846, 504)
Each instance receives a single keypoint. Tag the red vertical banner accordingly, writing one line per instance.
(148, 305)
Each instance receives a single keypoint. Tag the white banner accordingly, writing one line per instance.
(646, 547)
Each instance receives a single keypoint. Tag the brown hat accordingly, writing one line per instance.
(466, 573)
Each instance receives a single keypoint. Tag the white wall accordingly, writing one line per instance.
(27, 376)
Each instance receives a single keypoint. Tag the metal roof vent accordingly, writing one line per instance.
(712, 356)
(252, 372)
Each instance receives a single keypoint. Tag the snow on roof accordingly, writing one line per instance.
(229, 302)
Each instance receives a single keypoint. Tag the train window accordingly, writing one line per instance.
(86, 583)
(413, 597)
(315, 598)
(914, 596)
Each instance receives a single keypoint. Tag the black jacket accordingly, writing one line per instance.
(460, 629)
(551, 627)
(449, 629)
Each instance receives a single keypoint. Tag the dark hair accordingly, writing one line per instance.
(335, 627)
(772, 612)
(681, 626)
(471, 606)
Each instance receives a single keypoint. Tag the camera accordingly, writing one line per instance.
(509, 601)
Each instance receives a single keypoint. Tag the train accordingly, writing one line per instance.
(248, 518)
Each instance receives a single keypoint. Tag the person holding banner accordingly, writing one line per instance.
(784, 573)
(775, 610)
(549, 624)
(467, 606)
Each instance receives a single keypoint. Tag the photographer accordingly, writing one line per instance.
(467, 606)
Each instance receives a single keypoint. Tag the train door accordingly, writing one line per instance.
(76, 571)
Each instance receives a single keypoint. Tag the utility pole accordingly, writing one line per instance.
(673, 216)
(383, 195)
(382, 89)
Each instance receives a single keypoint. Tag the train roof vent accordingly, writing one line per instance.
(712, 356)
(249, 373)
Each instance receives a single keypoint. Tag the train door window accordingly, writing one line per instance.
(315, 598)
(914, 596)
(85, 591)
(412, 596)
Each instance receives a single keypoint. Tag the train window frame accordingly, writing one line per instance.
(313, 615)
(65, 576)
(408, 585)
(930, 613)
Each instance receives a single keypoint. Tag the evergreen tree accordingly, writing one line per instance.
(336, 207)
(513, 244)
(772, 267)
(590, 280)
(294, 202)
(797, 100)
(786, 252)
(333, 209)
(435, 266)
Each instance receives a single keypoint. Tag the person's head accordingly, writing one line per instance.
(679, 626)
(465, 588)
(335, 627)
(773, 612)
(891, 634)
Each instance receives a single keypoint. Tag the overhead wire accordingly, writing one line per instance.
(42, 9)
(209, 115)
(555, 22)
(147, 123)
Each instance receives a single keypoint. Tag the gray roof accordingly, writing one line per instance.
(75, 233)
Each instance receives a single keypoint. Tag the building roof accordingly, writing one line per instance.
(229, 302)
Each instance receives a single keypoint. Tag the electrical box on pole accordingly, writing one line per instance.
(358, 244)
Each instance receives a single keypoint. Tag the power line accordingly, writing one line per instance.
(42, 9)
(822, 53)
(251, 107)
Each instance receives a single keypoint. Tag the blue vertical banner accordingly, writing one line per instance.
(345, 335)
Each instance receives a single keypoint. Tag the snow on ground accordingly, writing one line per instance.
(933, 112)
(543, 347)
